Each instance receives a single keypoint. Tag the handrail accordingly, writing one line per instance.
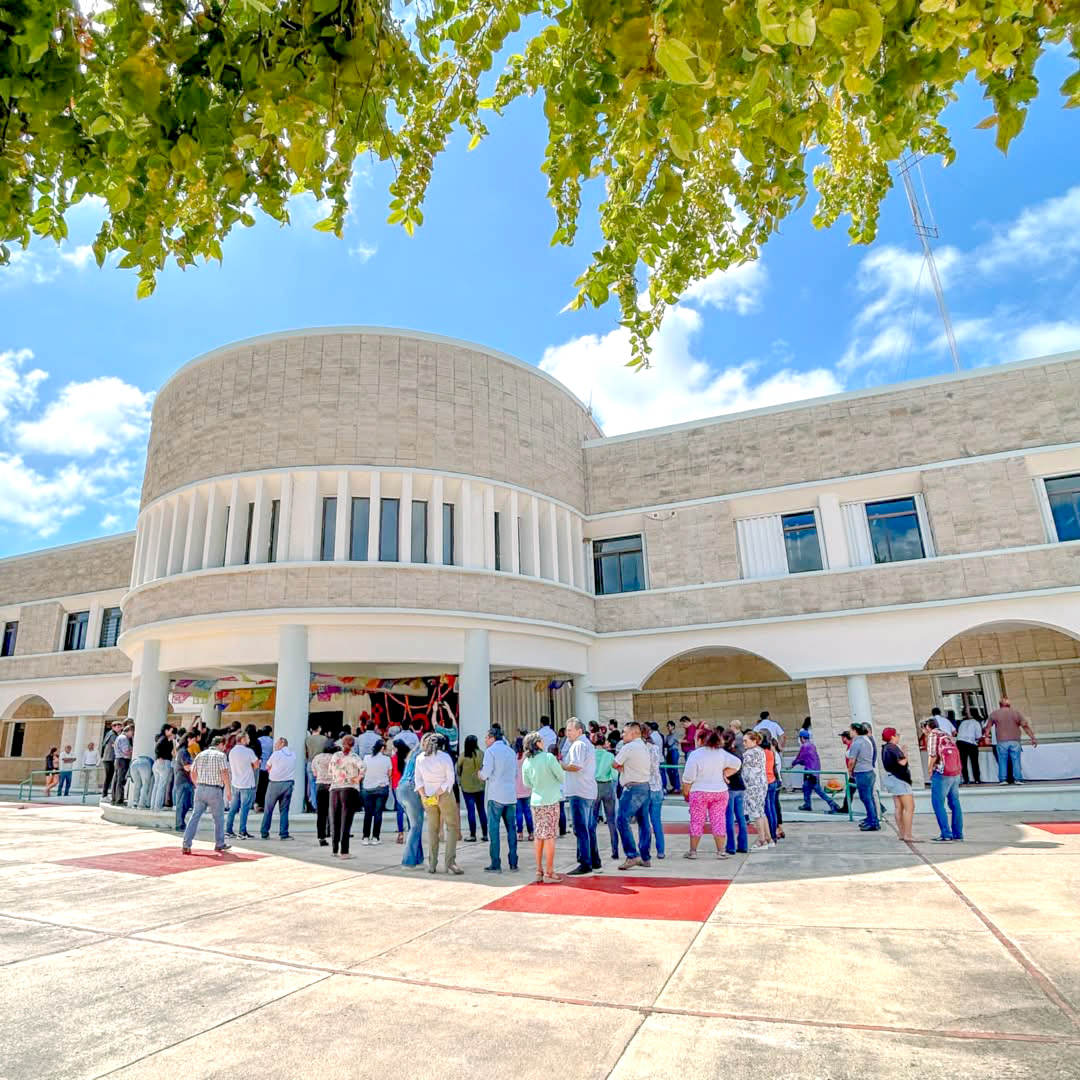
(28, 783)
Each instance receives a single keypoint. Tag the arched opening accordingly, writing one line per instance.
(1037, 667)
(28, 732)
(720, 684)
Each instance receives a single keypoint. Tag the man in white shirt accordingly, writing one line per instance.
(67, 763)
(766, 723)
(547, 732)
(244, 772)
(499, 773)
(434, 778)
(579, 764)
(281, 769)
(943, 722)
(968, 735)
(90, 757)
(634, 765)
(407, 735)
(367, 738)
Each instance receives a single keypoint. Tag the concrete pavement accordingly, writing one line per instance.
(840, 954)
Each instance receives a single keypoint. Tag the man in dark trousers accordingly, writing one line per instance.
(108, 757)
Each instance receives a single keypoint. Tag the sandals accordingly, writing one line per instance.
(539, 877)
(552, 879)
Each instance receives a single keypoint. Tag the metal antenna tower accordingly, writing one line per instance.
(926, 233)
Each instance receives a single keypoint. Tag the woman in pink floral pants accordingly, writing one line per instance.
(705, 787)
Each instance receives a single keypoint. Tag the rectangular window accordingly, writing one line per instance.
(448, 534)
(110, 628)
(419, 531)
(358, 529)
(388, 529)
(1063, 495)
(801, 542)
(329, 527)
(895, 535)
(521, 549)
(11, 632)
(18, 736)
(619, 565)
(498, 541)
(272, 542)
(247, 538)
(75, 633)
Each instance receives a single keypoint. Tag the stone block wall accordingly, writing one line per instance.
(984, 505)
(368, 398)
(716, 670)
(786, 704)
(696, 545)
(616, 705)
(953, 418)
(830, 714)
(892, 706)
(89, 567)
(41, 628)
(1005, 647)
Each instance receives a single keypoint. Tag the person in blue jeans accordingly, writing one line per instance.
(210, 771)
(656, 805)
(943, 762)
(862, 763)
(499, 773)
(282, 769)
(633, 764)
(1008, 722)
(737, 838)
(414, 811)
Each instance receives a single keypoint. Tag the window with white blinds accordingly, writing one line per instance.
(887, 530)
(761, 546)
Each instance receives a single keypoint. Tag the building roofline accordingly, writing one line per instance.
(849, 395)
(37, 552)
(382, 331)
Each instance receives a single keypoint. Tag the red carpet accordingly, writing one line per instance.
(675, 899)
(159, 862)
(1058, 828)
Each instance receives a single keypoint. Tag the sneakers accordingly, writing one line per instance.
(245, 836)
(375, 841)
(231, 835)
(470, 839)
(492, 869)
(324, 843)
(453, 868)
(579, 871)
(689, 854)
(645, 862)
(366, 841)
(224, 847)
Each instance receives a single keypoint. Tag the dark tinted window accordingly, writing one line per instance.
(619, 565)
(1063, 494)
(894, 530)
(801, 542)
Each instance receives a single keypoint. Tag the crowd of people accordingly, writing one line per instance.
(541, 786)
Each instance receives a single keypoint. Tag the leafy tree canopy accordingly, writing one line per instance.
(698, 115)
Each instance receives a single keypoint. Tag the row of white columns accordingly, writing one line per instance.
(151, 702)
(207, 526)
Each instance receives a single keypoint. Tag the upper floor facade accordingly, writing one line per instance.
(387, 471)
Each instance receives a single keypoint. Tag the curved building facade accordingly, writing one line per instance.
(338, 519)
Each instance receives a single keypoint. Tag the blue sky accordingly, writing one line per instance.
(80, 357)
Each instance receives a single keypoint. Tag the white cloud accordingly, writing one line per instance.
(18, 388)
(739, 289)
(1046, 338)
(79, 257)
(44, 263)
(111, 521)
(363, 251)
(678, 386)
(41, 502)
(87, 418)
(1044, 235)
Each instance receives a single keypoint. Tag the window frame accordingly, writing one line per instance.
(102, 634)
(920, 525)
(448, 533)
(394, 534)
(82, 618)
(816, 526)
(418, 505)
(11, 626)
(1047, 509)
(354, 502)
(596, 569)
(329, 513)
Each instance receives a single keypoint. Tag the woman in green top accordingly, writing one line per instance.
(472, 787)
(545, 776)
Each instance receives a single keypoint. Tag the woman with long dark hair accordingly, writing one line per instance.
(472, 787)
(397, 768)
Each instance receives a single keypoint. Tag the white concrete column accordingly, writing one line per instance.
(858, 691)
(405, 519)
(533, 537)
(466, 527)
(196, 527)
(82, 726)
(552, 530)
(260, 525)
(292, 700)
(833, 536)
(566, 559)
(374, 517)
(435, 522)
(212, 533)
(237, 527)
(489, 527)
(284, 525)
(152, 704)
(474, 687)
(343, 519)
(577, 543)
(93, 624)
(209, 713)
(586, 703)
(515, 538)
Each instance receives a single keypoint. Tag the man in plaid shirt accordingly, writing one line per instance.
(210, 771)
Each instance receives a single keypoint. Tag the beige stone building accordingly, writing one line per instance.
(354, 517)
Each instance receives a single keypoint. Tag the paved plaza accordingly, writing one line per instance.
(838, 955)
